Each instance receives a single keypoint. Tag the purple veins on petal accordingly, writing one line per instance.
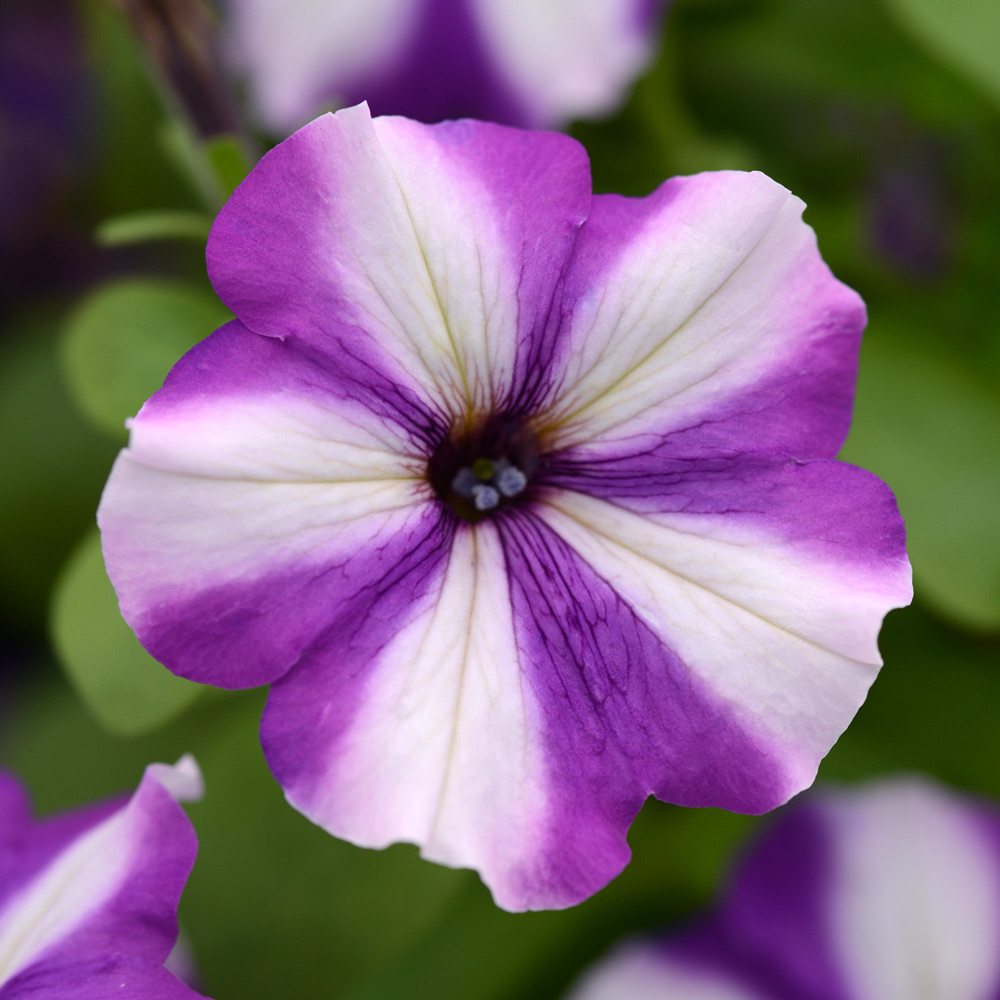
(524, 500)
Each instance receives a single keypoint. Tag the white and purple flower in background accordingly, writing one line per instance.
(524, 500)
(88, 899)
(534, 63)
(890, 892)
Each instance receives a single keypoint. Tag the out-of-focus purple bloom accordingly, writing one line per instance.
(891, 892)
(88, 900)
(42, 104)
(535, 63)
(911, 204)
(523, 499)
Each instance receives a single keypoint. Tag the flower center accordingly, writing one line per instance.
(483, 471)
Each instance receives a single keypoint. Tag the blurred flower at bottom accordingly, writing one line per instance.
(887, 892)
(88, 899)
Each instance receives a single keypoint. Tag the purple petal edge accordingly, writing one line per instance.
(623, 719)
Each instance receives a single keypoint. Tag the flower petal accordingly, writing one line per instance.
(533, 63)
(706, 306)
(915, 907)
(116, 976)
(770, 587)
(568, 60)
(430, 253)
(496, 729)
(425, 734)
(257, 496)
(772, 928)
(646, 972)
(107, 888)
(889, 892)
(300, 55)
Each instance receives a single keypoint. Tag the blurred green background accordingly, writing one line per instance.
(883, 115)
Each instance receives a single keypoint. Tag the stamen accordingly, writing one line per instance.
(510, 481)
(464, 482)
(485, 497)
(480, 474)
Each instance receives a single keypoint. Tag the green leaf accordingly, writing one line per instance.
(52, 467)
(933, 708)
(140, 227)
(119, 682)
(122, 340)
(213, 168)
(187, 155)
(478, 952)
(964, 33)
(930, 429)
(229, 161)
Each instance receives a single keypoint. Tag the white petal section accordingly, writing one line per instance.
(166, 533)
(481, 220)
(717, 282)
(183, 780)
(82, 878)
(566, 58)
(640, 972)
(787, 640)
(916, 907)
(273, 438)
(459, 288)
(295, 51)
(430, 252)
(441, 752)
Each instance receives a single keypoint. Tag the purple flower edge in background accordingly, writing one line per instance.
(523, 500)
(88, 899)
(531, 63)
(889, 891)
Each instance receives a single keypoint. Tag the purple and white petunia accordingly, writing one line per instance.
(522, 499)
(88, 899)
(534, 63)
(890, 892)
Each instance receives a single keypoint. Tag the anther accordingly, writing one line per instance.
(464, 481)
(484, 497)
(510, 481)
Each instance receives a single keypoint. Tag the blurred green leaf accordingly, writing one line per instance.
(53, 466)
(229, 161)
(213, 168)
(933, 708)
(478, 952)
(133, 173)
(127, 691)
(184, 151)
(766, 60)
(122, 340)
(140, 227)
(964, 33)
(930, 429)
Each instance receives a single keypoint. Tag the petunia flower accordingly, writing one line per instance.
(889, 892)
(536, 63)
(523, 500)
(88, 899)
